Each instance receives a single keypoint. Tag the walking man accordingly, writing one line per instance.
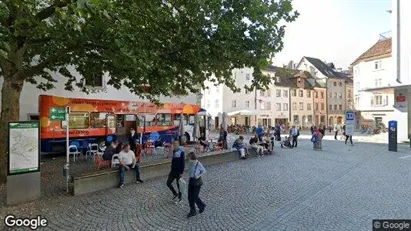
(177, 169)
(335, 131)
(347, 136)
(195, 171)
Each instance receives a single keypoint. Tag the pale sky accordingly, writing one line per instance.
(335, 31)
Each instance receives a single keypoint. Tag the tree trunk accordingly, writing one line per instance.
(10, 109)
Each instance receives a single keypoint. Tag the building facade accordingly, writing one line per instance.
(29, 99)
(374, 69)
(265, 107)
(281, 93)
(336, 101)
(302, 110)
(334, 81)
(320, 105)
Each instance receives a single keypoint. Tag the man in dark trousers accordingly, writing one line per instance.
(294, 133)
(177, 169)
(133, 138)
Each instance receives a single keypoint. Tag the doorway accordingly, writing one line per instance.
(247, 121)
(216, 123)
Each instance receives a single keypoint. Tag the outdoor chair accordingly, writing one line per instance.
(73, 150)
(115, 161)
(92, 149)
(100, 162)
(149, 147)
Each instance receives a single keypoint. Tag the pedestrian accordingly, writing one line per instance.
(195, 170)
(260, 132)
(177, 169)
(294, 133)
(347, 136)
(128, 161)
(133, 139)
(335, 131)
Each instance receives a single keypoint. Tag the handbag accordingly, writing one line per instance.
(199, 181)
(183, 186)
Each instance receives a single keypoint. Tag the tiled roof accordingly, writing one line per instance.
(322, 67)
(381, 48)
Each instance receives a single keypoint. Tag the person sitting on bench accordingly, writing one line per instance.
(110, 151)
(203, 142)
(128, 161)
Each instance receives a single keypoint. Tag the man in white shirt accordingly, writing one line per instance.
(294, 134)
(128, 161)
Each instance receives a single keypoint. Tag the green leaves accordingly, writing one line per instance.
(173, 46)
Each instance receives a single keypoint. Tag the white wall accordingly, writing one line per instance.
(213, 99)
(366, 77)
(30, 96)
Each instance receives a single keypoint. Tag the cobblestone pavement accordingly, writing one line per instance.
(339, 188)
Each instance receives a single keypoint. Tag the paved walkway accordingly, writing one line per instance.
(339, 188)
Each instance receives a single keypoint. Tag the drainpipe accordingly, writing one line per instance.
(255, 106)
(398, 43)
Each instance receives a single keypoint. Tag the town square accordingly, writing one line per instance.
(205, 115)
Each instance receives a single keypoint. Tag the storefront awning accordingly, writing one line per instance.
(244, 113)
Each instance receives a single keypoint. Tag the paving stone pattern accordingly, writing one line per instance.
(339, 188)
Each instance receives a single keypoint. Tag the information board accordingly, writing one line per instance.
(24, 153)
(349, 123)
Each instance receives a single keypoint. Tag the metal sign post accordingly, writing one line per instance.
(392, 136)
(67, 148)
(62, 114)
(349, 124)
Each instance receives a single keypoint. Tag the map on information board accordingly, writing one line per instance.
(24, 152)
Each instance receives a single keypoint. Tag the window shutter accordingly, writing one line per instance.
(386, 100)
(372, 101)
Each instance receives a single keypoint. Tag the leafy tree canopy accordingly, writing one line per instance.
(171, 45)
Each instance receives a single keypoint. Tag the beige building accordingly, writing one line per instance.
(302, 99)
(336, 87)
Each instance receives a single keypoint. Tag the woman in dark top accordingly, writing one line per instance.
(110, 150)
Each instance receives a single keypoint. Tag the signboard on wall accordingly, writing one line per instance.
(400, 100)
(24, 153)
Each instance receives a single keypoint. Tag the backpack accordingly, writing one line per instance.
(314, 139)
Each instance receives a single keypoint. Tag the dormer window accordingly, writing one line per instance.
(277, 79)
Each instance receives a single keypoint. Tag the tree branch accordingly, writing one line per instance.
(49, 11)
(35, 70)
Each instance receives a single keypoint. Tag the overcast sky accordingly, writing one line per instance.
(334, 30)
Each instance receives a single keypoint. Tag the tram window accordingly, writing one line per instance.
(98, 119)
(177, 119)
(163, 119)
(111, 121)
(78, 120)
(150, 120)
